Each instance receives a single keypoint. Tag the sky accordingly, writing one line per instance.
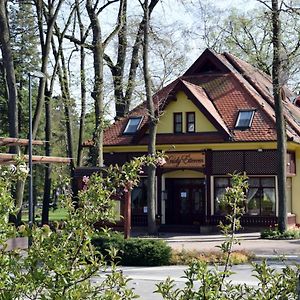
(169, 11)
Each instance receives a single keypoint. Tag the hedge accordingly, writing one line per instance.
(135, 251)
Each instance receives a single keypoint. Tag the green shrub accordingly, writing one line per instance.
(135, 251)
(273, 233)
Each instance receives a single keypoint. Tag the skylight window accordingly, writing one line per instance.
(132, 125)
(244, 119)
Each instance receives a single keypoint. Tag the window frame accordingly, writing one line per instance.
(125, 131)
(176, 123)
(237, 126)
(260, 191)
(187, 114)
(260, 187)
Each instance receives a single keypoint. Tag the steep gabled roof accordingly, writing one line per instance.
(198, 95)
(220, 85)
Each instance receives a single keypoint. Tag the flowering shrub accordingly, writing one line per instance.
(273, 233)
(60, 263)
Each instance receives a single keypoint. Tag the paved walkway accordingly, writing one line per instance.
(248, 241)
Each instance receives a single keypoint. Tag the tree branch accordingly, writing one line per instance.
(118, 26)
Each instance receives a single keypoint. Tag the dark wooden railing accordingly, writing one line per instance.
(264, 221)
(139, 220)
(245, 220)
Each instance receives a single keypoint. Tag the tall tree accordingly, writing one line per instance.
(280, 121)
(124, 62)
(152, 123)
(82, 87)
(123, 90)
(10, 75)
(99, 44)
(278, 81)
(25, 45)
(58, 55)
(11, 91)
(47, 12)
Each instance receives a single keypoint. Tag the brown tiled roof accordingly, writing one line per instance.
(114, 134)
(262, 83)
(228, 86)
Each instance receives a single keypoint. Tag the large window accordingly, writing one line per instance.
(177, 122)
(261, 196)
(190, 122)
(244, 119)
(132, 125)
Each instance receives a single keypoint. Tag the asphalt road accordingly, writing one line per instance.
(144, 279)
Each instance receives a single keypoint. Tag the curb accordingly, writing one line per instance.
(275, 258)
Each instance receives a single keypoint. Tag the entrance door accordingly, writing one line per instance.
(185, 204)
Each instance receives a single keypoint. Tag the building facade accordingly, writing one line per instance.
(216, 119)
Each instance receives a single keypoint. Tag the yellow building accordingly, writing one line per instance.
(216, 119)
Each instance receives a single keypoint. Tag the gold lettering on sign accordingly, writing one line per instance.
(185, 160)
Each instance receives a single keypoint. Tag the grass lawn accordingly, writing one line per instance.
(54, 215)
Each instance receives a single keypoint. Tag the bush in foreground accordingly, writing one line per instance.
(61, 263)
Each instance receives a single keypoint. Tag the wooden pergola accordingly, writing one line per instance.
(8, 158)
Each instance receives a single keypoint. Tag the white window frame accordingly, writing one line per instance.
(237, 126)
(128, 124)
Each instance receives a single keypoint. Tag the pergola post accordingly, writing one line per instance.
(127, 214)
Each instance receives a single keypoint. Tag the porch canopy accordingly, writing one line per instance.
(8, 158)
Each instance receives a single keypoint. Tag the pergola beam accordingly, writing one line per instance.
(8, 141)
(7, 158)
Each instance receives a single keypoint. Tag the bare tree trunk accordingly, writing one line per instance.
(11, 89)
(118, 73)
(9, 74)
(123, 95)
(97, 94)
(83, 90)
(280, 122)
(46, 47)
(151, 192)
(64, 83)
(48, 129)
(48, 136)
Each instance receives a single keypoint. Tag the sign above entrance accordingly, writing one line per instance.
(194, 160)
